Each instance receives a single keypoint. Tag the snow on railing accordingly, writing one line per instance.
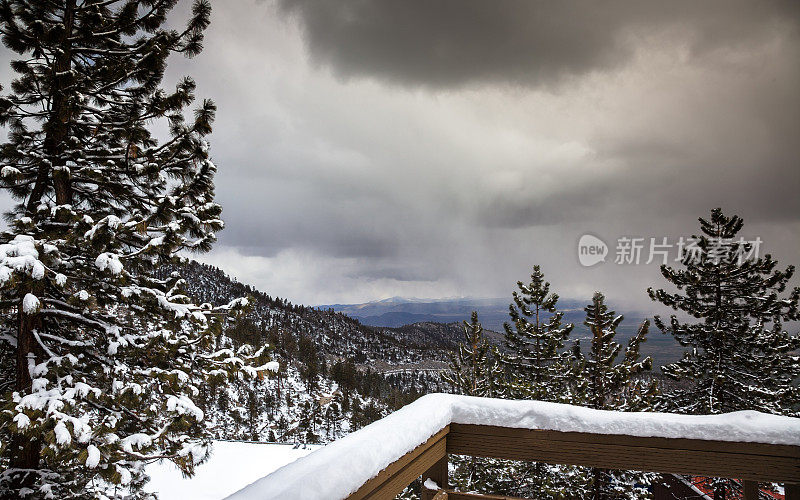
(342, 467)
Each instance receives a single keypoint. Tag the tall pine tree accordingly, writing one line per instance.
(538, 367)
(535, 340)
(475, 368)
(102, 359)
(739, 355)
(606, 382)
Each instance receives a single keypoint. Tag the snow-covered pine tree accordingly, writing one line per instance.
(475, 370)
(475, 367)
(739, 357)
(102, 359)
(535, 339)
(606, 383)
(537, 367)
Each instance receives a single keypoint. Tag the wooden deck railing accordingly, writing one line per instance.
(375, 462)
(752, 463)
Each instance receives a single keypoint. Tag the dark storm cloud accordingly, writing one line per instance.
(573, 202)
(340, 185)
(444, 43)
(369, 149)
(767, 193)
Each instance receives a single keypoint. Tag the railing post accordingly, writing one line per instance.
(438, 473)
(792, 491)
(750, 490)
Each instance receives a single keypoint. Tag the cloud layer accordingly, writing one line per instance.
(442, 148)
(430, 149)
(450, 43)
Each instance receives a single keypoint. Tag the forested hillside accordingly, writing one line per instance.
(335, 375)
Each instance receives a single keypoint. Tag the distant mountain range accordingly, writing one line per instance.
(397, 312)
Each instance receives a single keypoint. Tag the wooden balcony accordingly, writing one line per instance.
(751, 462)
(375, 462)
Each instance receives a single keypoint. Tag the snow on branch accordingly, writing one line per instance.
(21, 256)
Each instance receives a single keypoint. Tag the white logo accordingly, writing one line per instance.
(591, 250)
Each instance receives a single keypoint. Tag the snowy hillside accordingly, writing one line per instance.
(335, 374)
(333, 334)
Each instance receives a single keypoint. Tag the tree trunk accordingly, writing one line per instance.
(58, 124)
(24, 452)
(598, 484)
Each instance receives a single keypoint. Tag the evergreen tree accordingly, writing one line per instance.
(253, 413)
(537, 367)
(333, 416)
(535, 339)
(475, 369)
(604, 383)
(309, 362)
(739, 356)
(102, 358)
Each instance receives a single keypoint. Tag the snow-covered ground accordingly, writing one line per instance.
(232, 466)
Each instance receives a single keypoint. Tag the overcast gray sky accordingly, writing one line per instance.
(441, 148)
